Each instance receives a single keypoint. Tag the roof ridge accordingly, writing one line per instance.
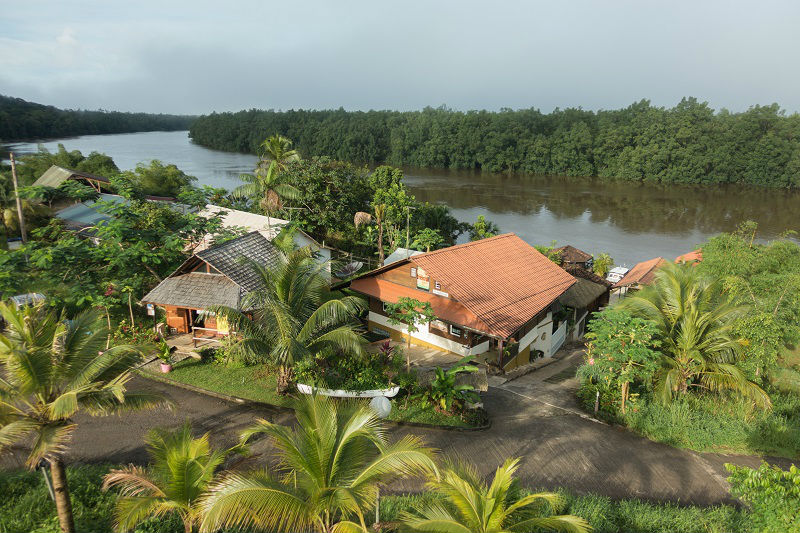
(466, 244)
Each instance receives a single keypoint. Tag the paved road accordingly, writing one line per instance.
(532, 419)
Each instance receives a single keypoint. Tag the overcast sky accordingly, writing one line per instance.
(182, 56)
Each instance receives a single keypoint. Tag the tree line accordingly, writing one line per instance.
(688, 143)
(20, 119)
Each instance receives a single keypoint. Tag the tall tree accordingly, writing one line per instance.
(267, 188)
(294, 316)
(278, 149)
(469, 505)
(696, 322)
(329, 469)
(54, 368)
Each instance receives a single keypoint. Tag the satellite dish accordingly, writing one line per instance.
(349, 269)
(381, 405)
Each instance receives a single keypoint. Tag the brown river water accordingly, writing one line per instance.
(632, 222)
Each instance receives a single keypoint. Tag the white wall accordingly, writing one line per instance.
(431, 338)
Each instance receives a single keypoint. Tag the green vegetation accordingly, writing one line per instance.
(772, 494)
(52, 369)
(181, 469)
(725, 335)
(327, 474)
(26, 120)
(470, 505)
(689, 143)
(26, 507)
(412, 314)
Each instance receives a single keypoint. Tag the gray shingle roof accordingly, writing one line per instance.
(233, 258)
(195, 290)
(199, 290)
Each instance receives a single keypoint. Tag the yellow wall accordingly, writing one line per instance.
(398, 336)
(522, 358)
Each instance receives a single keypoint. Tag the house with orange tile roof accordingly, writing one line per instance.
(640, 275)
(493, 298)
(693, 257)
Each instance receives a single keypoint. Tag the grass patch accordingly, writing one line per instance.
(716, 424)
(26, 507)
(257, 383)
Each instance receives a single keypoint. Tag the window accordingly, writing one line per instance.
(437, 285)
(413, 272)
(456, 331)
(385, 310)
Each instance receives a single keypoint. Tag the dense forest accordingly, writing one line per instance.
(689, 143)
(20, 119)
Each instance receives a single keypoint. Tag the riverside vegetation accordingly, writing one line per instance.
(689, 143)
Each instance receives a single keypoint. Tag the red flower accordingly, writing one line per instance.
(109, 291)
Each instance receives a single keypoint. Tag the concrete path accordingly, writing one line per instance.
(532, 419)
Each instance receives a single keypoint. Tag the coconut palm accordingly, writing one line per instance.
(266, 186)
(294, 316)
(602, 264)
(327, 474)
(54, 368)
(469, 505)
(696, 320)
(181, 468)
(278, 149)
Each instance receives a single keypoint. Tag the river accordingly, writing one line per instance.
(632, 222)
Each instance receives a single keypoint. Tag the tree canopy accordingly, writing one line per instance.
(688, 143)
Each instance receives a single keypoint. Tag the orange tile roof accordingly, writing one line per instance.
(696, 255)
(642, 273)
(502, 281)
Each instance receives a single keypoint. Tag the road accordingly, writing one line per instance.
(532, 418)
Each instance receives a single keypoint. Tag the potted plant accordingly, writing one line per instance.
(165, 354)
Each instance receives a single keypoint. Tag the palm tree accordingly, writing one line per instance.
(267, 188)
(696, 322)
(180, 471)
(470, 506)
(294, 316)
(278, 149)
(602, 264)
(380, 215)
(329, 469)
(54, 368)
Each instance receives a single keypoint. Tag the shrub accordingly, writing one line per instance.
(371, 371)
(772, 494)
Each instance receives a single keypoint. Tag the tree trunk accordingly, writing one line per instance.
(284, 380)
(380, 243)
(408, 350)
(625, 387)
(108, 319)
(130, 308)
(63, 503)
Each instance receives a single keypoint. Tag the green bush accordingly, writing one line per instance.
(772, 494)
(372, 371)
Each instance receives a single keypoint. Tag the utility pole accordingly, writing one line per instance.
(19, 202)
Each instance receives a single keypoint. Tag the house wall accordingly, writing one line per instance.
(423, 337)
(176, 318)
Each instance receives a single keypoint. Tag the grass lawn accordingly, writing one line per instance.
(26, 507)
(258, 384)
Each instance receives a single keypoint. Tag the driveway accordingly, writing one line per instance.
(532, 418)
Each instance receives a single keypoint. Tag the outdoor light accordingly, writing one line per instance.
(381, 405)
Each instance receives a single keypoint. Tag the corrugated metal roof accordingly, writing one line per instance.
(502, 280)
(195, 290)
(55, 176)
(641, 274)
(86, 213)
(399, 255)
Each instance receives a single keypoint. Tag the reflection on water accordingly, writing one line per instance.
(632, 222)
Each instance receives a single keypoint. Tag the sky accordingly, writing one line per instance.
(195, 57)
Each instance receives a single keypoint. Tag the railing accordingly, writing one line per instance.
(212, 338)
(558, 338)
